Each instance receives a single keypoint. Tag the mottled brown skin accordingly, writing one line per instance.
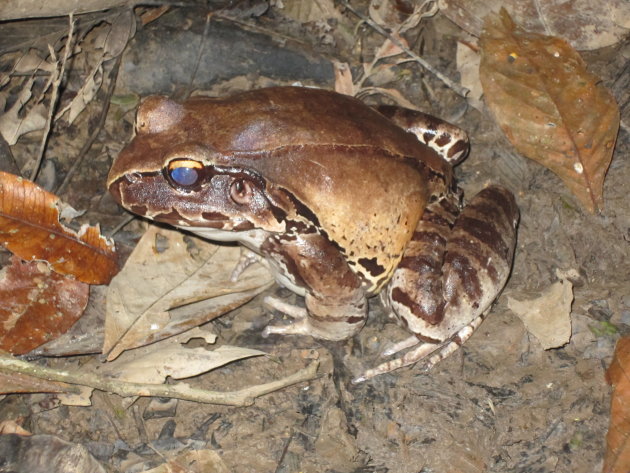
(333, 195)
(276, 131)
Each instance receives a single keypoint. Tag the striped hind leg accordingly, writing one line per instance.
(450, 275)
(421, 351)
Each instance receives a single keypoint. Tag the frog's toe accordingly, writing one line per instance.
(409, 358)
(299, 327)
(400, 346)
(439, 352)
(291, 310)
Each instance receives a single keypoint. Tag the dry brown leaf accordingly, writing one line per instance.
(171, 283)
(37, 305)
(154, 363)
(308, 11)
(401, 16)
(548, 316)
(37, 453)
(31, 63)
(343, 78)
(584, 23)
(110, 40)
(617, 458)
(20, 9)
(193, 461)
(84, 95)
(12, 427)
(389, 49)
(393, 94)
(30, 228)
(550, 107)
(468, 60)
(16, 122)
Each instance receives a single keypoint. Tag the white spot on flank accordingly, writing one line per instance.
(578, 168)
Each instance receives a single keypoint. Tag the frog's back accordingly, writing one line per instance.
(262, 119)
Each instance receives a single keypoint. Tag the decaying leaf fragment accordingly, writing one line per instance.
(170, 284)
(550, 107)
(548, 316)
(37, 305)
(617, 458)
(193, 461)
(30, 228)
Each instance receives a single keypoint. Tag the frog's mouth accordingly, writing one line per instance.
(147, 194)
(252, 239)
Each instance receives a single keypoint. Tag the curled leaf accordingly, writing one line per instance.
(30, 228)
(550, 107)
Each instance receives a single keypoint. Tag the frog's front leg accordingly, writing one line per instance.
(450, 274)
(308, 264)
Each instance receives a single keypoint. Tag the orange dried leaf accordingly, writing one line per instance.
(30, 228)
(37, 305)
(550, 107)
(389, 49)
(12, 427)
(617, 459)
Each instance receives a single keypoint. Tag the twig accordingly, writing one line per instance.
(57, 78)
(126, 219)
(242, 397)
(458, 89)
(200, 50)
(97, 129)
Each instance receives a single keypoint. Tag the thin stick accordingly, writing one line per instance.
(242, 397)
(56, 83)
(458, 89)
(97, 129)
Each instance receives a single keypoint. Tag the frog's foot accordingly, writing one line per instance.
(330, 324)
(441, 350)
(247, 258)
(400, 346)
(301, 325)
(291, 310)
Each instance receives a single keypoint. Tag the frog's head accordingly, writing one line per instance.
(167, 176)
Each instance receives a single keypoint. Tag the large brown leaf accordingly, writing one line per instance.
(30, 228)
(37, 305)
(617, 459)
(171, 283)
(584, 23)
(550, 107)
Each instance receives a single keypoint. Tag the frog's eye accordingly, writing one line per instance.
(241, 191)
(184, 172)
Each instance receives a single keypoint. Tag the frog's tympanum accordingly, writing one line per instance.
(342, 202)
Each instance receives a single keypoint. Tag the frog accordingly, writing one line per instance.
(342, 201)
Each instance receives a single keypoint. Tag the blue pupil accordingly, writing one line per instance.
(184, 176)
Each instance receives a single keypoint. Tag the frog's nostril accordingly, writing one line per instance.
(133, 177)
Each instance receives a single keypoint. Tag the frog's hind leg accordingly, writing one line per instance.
(450, 275)
(421, 351)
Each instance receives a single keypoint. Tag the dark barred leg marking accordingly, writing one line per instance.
(480, 250)
(446, 139)
(422, 263)
(477, 261)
